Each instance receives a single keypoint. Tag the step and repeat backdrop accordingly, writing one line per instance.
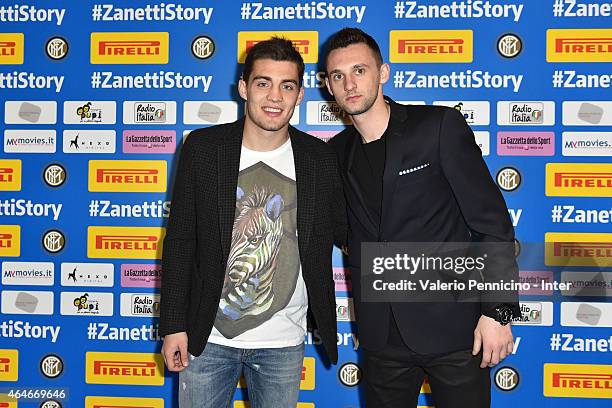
(97, 98)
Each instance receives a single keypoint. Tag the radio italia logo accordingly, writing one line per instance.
(578, 249)
(127, 176)
(10, 175)
(9, 370)
(585, 45)
(129, 48)
(579, 179)
(124, 368)
(123, 402)
(431, 46)
(9, 240)
(125, 242)
(305, 42)
(578, 380)
(11, 48)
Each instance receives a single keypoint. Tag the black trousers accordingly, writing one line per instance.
(392, 377)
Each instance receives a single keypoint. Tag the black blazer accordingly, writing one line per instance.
(198, 236)
(451, 199)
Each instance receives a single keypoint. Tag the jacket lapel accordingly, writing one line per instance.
(305, 176)
(228, 162)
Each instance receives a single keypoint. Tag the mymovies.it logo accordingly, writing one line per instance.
(28, 273)
(124, 368)
(129, 47)
(431, 46)
(29, 141)
(140, 304)
(587, 143)
(149, 112)
(127, 176)
(125, 242)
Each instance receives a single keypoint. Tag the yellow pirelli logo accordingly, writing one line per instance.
(123, 402)
(124, 368)
(578, 380)
(129, 48)
(433, 46)
(148, 176)
(308, 374)
(125, 242)
(583, 45)
(305, 42)
(10, 175)
(10, 240)
(578, 249)
(11, 48)
(7, 402)
(9, 365)
(579, 179)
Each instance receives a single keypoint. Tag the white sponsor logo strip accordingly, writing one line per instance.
(28, 273)
(579, 314)
(483, 140)
(89, 141)
(519, 113)
(90, 112)
(140, 304)
(587, 283)
(326, 113)
(535, 314)
(29, 141)
(86, 304)
(87, 274)
(209, 112)
(149, 112)
(30, 112)
(587, 113)
(474, 112)
(27, 302)
(587, 143)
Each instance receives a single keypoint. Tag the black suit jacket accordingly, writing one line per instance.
(452, 199)
(198, 236)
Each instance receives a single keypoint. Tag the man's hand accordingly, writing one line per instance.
(174, 351)
(495, 340)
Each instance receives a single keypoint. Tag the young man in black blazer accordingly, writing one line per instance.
(415, 174)
(256, 208)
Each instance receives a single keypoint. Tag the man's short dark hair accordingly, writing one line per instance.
(277, 49)
(348, 36)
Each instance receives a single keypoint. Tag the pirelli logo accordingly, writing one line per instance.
(578, 249)
(11, 48)
(124, 368)
(9, 366)
(305, 42)
(578, 380)
(129, 48)
(308, 374)
(584, 45)
(579, 179)
(10, 240)
(123, 402)
(128, 176)
(433, 46)
(125, 242)
(10, 175)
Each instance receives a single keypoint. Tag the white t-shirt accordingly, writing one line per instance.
(264, 299)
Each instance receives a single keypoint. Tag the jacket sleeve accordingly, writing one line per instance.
(178, 257)
(481, 204)
(338, 205)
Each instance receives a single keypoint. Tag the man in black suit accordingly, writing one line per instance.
(415, 174)
(256, 208)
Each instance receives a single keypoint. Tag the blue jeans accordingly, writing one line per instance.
(272, 375)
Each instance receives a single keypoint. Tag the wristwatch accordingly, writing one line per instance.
(503, 314)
